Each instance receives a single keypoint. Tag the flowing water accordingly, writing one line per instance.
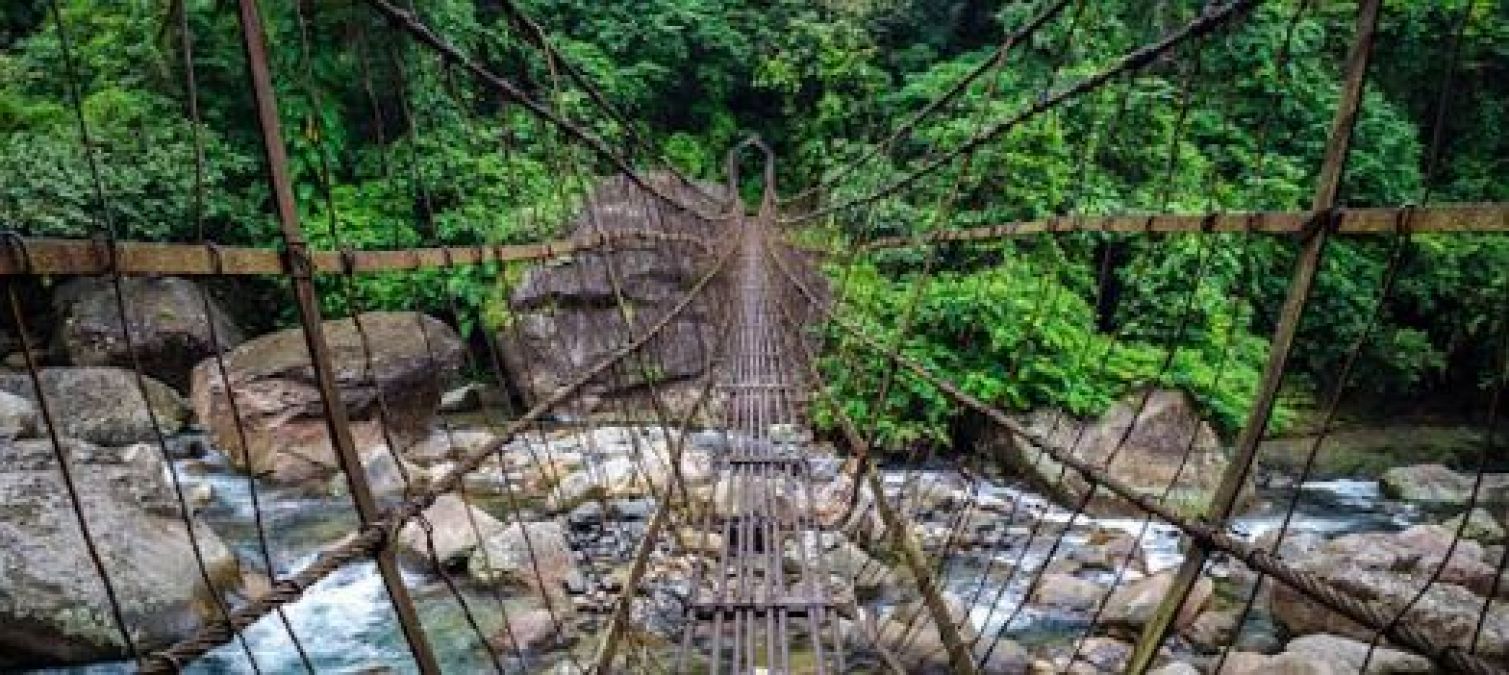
(345, 623)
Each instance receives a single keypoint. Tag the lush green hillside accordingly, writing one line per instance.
(382, 139)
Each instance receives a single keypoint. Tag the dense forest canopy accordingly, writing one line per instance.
(382, 135)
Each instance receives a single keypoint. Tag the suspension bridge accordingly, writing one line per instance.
(765, 592)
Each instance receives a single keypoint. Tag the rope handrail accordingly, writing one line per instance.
(1308, 584)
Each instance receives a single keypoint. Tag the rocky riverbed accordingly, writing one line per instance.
(535, 551)
(591, 515)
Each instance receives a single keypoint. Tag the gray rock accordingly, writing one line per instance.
(272, 383)
(586, 517)
(1388, 570)
(1149, 459)
(1212, 629)
(1438, 484)
(443, 445)
(1106, 655)
(50, 602)
(632, 509)
(170, 329)
(1068, 592)
(535, 555)
(1350, 655)
(911, 636)
(19, 417)
(1481, 526)
(528, 631)
(453, 528)
(1133, 604)
(565, 313)
(102, 405)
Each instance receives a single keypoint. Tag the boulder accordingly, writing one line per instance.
(1066, 591)
(564, 315)
(642, 470)
(271, 383)
(911, 636)
(1149, 459)
(1110, 550)
(1212, 629)
(1481, 526)
(170, 329)
(1436, 483)
(527, 631)
(1287, 663)
(102, 405)
(443, 445)
(19, 417)
(534, 555)
(1350, 654)
(1388, 570)
(453, 529)
(1133, 604)
(51, 604)
(842, 558)
(1106, 655)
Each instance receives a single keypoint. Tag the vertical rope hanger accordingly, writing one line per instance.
(1489, 446)
(494, 351)
(354, 305)
(1227, 341)
(300, 273)
(106, 227)
(931, 255)
(65, 471)
(264, 548)
(1338, 148)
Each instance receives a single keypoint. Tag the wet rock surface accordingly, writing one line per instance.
(1439, 484)
(1389, 571)
(51, 602)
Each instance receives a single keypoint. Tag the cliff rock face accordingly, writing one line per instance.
(564, 316)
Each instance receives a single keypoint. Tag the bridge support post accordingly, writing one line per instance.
(1328, 184)
(298, 267)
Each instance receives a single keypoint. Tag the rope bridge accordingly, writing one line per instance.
(766, 593)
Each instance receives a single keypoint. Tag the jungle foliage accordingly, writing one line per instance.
(389, 148)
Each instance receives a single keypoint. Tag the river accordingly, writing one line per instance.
(344, 623)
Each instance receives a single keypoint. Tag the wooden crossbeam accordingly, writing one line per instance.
(45, 256)
(1454, 218)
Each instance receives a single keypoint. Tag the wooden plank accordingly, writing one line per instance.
(1451, 218)
(46, 256)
